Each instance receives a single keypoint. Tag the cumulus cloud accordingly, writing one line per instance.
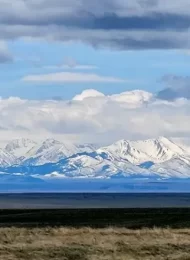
(5, 55)
(133, 24)
(70, 77)
(176, 87)
(99, 119)
(136, 97)
(89, 93)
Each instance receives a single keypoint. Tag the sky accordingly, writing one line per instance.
(53, 50)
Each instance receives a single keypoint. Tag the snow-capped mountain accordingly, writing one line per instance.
(97, 165)
(7, 159)
(125, 158)
(52, 150)
(91, 165)
(162, 157)
(137, 152)
(176, 167)
(29, 152)
(19, 147)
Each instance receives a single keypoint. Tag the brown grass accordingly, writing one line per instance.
(93, 244)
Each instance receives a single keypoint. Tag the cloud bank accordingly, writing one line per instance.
(132, 24)
(95, 118)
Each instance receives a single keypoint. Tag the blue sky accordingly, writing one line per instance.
(143, 68)
(136, 41)
(53, 50)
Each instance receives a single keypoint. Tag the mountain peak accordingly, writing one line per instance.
(18, 147)
(20, 142)
(51, 141)
(163, 138)
(123, 142)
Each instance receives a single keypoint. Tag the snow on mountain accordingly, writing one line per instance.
(175, 168)
(122, 161)
(88, 94)
(91, 165)
(29, 152)
(6, 159)
(152, 150)
(19, 147)
(123, 150)
(54, 159)
(160, 150)
(52, 151)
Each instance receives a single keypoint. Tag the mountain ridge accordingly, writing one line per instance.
(160, 157)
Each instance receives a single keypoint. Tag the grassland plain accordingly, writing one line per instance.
(93, 244)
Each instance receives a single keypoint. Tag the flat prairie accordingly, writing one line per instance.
(62, 243)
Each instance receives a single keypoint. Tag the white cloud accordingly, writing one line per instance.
(133, 98)
(89, 93)
(100, 119)
(70, 77)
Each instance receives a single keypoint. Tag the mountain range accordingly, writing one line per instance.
(52, 159)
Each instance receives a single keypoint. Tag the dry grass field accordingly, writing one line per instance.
(93, 244)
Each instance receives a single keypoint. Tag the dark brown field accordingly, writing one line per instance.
(93, 244)
(97, 218)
